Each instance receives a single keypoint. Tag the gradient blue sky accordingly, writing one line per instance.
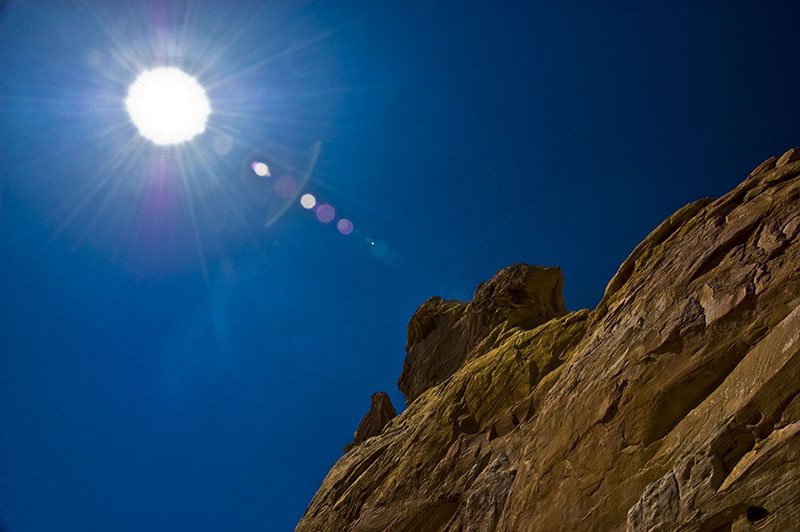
(168, 363)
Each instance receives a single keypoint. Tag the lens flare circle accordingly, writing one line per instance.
(261, 169)
(308, 201)
(325, 213)
(345, 226)
(167, 106)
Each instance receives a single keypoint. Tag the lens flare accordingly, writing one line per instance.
(308, 201)
(286, 187)
(378, 249)
(168, 106)
(222, 144)
(344, 226)
(260, 169)
(325, 213)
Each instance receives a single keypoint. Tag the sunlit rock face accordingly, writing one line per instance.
(444, 334)
(674, 405)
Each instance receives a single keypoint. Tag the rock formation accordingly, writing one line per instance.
(381, 411)
(673, 405)
(442, 335)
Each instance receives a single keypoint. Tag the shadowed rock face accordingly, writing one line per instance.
(380, 412)
(674, 405)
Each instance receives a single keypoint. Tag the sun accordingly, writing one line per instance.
(168, 106)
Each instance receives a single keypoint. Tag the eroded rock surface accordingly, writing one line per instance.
(674, 405)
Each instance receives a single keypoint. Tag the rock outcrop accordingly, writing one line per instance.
(381, 411)
(443, 334)
(674, 405)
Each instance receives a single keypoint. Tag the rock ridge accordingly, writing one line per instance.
(673, 405)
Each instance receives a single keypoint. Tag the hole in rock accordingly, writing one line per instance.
(756, 514)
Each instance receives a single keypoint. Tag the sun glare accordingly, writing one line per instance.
(167, 106)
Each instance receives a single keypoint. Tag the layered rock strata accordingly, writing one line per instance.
(674, 405)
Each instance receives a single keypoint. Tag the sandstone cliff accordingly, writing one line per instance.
(674, 405)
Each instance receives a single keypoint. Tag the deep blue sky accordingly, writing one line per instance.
(167, 362)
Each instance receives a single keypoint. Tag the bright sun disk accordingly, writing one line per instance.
(167, 105)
